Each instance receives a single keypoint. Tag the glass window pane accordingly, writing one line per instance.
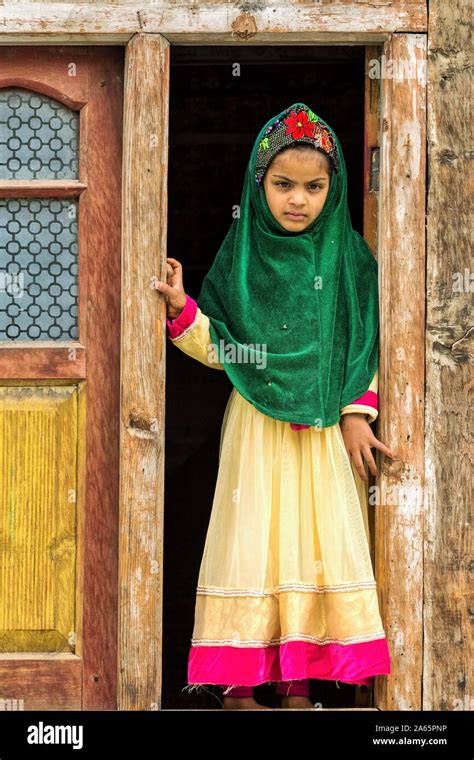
(39, 271)
(38, 136)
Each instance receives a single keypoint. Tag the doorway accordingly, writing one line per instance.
(219, 99)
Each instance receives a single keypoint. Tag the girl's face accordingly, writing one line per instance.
(296, 182)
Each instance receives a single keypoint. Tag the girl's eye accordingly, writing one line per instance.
(287, 183)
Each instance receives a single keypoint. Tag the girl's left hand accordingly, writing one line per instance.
(358, 440)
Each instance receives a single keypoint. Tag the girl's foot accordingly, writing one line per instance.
(297, 703)
(243, 703)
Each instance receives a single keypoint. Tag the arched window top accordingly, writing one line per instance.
(38, 136)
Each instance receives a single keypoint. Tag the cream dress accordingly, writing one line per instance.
(286, 588)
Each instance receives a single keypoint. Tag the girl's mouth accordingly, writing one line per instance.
(295, 216)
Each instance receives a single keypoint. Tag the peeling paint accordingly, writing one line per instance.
(244, 26)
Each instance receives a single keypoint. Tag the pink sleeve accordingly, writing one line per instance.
(176, 326)
(370, 398)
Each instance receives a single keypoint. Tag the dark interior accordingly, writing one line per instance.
(214, 120)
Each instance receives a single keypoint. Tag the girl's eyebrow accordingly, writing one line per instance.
(290, 180)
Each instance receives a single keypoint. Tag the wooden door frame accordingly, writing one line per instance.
(401, 30)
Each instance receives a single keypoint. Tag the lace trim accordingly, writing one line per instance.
(304, 587)
(252, 643)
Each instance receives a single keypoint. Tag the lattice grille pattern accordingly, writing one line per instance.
(38, 137)
(38, 236)
(38, 276)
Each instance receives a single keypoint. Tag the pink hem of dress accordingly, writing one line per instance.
(296, 660)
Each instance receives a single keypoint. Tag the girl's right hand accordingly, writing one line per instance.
(173, 289)
(359, 440)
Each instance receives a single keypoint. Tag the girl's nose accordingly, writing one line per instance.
(298, 200)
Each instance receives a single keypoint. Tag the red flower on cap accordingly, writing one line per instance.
(298, 125)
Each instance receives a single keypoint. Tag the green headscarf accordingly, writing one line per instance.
(294, 315)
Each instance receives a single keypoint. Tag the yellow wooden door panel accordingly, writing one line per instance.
(38, 462)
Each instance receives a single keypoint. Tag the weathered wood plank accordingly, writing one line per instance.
(21, 359)
(38, 188)
(101, 163)
(41, 681)
(54, 76)
(399, 515)
(449, 359)
(210, 23)
(144, 215)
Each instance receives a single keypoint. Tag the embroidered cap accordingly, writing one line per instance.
(298, 124)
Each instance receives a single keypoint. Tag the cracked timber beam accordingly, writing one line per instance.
(208, 23)
(401, 256)
(141, 516)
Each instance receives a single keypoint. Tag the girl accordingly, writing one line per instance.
(289, 310)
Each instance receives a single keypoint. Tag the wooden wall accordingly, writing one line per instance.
(449, 355)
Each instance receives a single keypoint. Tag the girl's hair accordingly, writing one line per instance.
(301, 146)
